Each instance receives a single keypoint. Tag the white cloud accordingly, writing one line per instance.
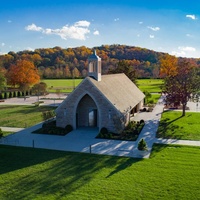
(178, 54)
(77, 31)
(140, 22)
(151, 36)
(187, 49)
(193, 17)
(154, 28)
(3, 44)
(96, 32)
(117, 19)
(184, 51)
(29, 49)
(33, 27)
(82, 23)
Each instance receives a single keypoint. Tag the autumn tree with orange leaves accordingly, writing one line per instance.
(22, 74)
(181, 80)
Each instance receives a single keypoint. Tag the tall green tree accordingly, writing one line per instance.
(183, 84)
(125, 67)
(2, 81)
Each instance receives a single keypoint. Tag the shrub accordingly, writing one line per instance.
(44, 125)
(5, 95)
(144, 109)
(104, 131)
(1, 133)
(142, 145)
(141, 121)
(10, 95)
(68, 128)
(47, 114)
(14, 94)
(131, 125)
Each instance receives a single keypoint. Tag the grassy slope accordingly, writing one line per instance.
(21, 116)
(171, 173)
(172, 125)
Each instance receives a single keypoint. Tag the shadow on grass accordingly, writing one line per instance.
(166, 126)
(39, 173)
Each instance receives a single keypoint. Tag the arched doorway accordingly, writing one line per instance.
(86, 112)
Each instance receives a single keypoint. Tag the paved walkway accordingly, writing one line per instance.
(83, 140)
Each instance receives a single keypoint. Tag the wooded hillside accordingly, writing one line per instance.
(72, 62)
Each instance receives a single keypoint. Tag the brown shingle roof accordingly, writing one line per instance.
(119, 90)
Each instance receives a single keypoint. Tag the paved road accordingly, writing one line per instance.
(48, 100)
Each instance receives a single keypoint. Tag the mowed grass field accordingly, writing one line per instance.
(67, 85)
(150, 85)
(173, 125)
(21, 116)
(64, 85)
(172, 172)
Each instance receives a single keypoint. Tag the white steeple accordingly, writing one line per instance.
(94, 69)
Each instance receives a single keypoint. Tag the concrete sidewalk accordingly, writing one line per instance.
(11, 129)
(83, 140)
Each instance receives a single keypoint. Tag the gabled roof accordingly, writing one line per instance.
(119, 90)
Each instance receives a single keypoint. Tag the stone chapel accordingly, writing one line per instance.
(100, 100)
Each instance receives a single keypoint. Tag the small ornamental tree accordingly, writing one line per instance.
(142, 145)
(181, 83)
(39, 89)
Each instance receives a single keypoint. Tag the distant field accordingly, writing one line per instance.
(172, 172)
(150, 85)
(67, 85)
(64, 85)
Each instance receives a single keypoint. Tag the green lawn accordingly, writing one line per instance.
(150, 85)
(154, 98)
(67, 85)
(172, 125)
(21, 116)
(64, 85)
(172, 172)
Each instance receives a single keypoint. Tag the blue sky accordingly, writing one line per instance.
(166, 26)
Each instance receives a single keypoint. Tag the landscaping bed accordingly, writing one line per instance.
(130, 133)
(50, 128)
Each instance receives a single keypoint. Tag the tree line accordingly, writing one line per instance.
(72, 62)
(25, 69)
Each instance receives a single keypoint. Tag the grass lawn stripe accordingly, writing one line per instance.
(172, 172)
